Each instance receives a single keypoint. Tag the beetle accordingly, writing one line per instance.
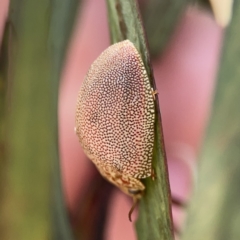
(115, 118)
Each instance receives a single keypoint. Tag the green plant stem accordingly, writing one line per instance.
(160, 18)
(155, 219)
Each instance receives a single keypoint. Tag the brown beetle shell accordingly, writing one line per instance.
(115, 117)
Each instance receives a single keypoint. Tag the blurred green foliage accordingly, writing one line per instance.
(215, 212)
(160, 18)
(25, 201)
(31, 195)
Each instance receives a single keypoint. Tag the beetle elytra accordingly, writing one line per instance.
(115, 118)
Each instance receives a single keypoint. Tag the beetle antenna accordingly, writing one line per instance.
(135, 201)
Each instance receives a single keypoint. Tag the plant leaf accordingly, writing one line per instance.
(61, 25)
(3, 91)
(39, 32)
(160, 18)
(214, 213)
(26, 202)
(155, 221)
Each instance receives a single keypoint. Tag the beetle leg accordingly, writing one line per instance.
(135, 202)
(154, 93)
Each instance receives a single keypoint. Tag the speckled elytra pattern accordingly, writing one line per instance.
(115, 116)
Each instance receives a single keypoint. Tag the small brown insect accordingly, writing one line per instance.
(115, 118)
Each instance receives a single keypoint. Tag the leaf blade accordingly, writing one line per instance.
(218, 190)
(155, 219)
